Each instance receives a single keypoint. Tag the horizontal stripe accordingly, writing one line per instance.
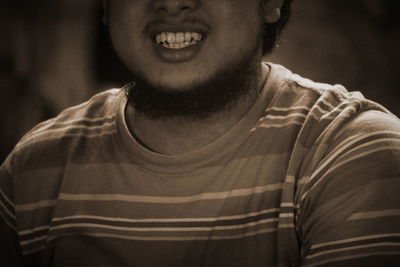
(353, 140)
(163, 229)
(374, 214)
(361, 155)
(87, 227)
(270, 118)
(33, 240)
(7, 205)
(56, 133)
(150, 199)
(290, 115)
(320, 109)
(62, 115)
(35, 205)
(300, 119)
(288, 204)
(151, 210)
(26, 252)
(336, 166)
(71, 128)
(353, 256)
(346, 144)
(68, 124)
(149, 220)
(330, 251)
(96, 99)
(339, 112)
(26, 228)
(370, 143)
(106, 120)
(206, 219)
(293, 179)
(305, 114)
(7, 211)
(54, 155)
(346, 105)
(20, 146)
(306, 108)
(165, 200)
(33, 230)
(163, 239)
(156, 238)
(354, 239)
(178, 228)
(334, 155)
(193, 238)
(152, 220)
(4, 196)
(267, 125)
(286, 215)
(8, 223)
(334, 116)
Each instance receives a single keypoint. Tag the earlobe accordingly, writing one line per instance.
(272, 10)
(273, 16)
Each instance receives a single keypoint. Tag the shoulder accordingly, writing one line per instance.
(55, 140)
(321, 110)
(343, 140)
(350, 191)
(351, 155)
(346, 165)
(366, 147)
(295, 89)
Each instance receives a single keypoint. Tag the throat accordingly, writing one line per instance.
(174, 136)
(177, 135)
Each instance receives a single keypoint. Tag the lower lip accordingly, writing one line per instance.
(178, 55)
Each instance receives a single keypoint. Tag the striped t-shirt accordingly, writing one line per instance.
(310, 176)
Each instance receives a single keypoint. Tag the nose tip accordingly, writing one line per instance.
(175, 7)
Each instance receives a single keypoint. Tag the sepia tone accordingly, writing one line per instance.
(55, 54)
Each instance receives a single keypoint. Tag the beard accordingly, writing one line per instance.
(198, 101)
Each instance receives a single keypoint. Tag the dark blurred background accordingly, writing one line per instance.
(55, 53)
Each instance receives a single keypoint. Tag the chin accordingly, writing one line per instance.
(179, 83)
(193, 91)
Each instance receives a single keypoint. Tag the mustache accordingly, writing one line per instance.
(193, 22)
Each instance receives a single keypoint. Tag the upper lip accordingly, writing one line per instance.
(157, 27)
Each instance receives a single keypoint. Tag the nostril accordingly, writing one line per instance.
(174, 7)
(162, 9)
(185, 8)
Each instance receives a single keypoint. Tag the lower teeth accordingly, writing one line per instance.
(178, 45)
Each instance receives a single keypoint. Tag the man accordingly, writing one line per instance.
(208, 158)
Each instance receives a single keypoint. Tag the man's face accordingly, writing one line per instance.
(177, 44)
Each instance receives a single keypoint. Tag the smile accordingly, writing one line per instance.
(178, 40)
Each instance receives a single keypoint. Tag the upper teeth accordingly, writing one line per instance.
(178, 40)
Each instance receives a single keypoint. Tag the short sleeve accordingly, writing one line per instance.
(349, 212)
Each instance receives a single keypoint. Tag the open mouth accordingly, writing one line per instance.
(178, 40)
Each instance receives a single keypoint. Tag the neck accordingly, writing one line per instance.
(177, 136)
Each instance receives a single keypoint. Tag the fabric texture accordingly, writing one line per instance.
(310, 176)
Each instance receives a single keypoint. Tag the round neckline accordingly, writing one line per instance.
(215, 153)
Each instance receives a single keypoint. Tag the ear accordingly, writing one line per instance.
(272, 10)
